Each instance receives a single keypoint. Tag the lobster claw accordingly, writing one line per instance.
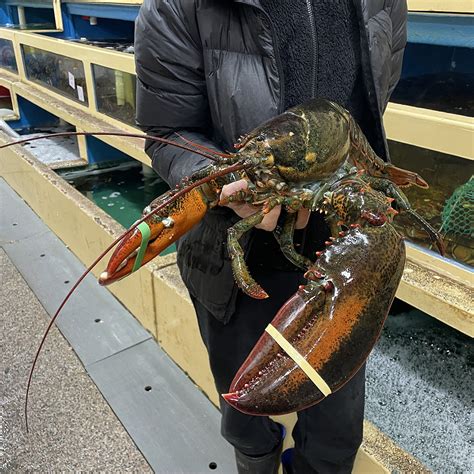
(165, 227)
(328, 327)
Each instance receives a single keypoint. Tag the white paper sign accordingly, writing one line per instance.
(80, 94)
(72, 80)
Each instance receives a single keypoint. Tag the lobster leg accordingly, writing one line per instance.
(333, 323)
(388, 188)
(284, 236)
(240, 270)
(433, 234)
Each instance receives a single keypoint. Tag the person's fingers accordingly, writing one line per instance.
(243, 209)
(231, 188)
(302, 219)
(270, 220)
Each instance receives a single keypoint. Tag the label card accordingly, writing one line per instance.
(80, 94)
(72, 80)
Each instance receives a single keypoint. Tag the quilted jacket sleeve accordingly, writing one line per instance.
(398, 15)
(171, 88)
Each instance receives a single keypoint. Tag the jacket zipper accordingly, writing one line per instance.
(312, 25)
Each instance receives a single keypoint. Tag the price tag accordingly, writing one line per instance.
(72, 80)
(80, 94)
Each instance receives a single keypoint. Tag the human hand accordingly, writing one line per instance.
(243, 209)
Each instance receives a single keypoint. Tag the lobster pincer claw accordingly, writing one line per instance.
(156, 233)
(323, 334)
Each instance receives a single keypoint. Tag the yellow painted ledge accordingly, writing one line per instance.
(441, 6)
(78, 116)
(447, 133)
(155, 295)
(440, 296)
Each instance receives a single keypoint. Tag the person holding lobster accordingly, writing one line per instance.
(210, 71)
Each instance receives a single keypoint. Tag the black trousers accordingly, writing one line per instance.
(326, 435)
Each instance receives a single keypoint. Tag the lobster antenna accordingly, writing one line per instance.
(202, 147)
(235, 167)
(165, 141)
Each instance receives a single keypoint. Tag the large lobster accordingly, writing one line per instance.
(313, 157)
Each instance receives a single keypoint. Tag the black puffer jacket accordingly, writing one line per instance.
(210, 69)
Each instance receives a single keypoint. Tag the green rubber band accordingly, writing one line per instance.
(144, 228)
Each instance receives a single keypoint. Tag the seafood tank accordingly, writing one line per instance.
(7, 55)
(438, 78)
(37, 15)
(447, 92)
(62, 74)
(115, 93)
(121, 190)
(448, 204)
(28, 14)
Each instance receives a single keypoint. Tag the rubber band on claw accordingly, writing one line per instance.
(145, 230)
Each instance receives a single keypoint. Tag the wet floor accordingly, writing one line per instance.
(420, 393)
(53, 151)
(72, 428)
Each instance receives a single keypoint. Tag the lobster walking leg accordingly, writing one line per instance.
(388, 188)
(284, 235)
(240, 270)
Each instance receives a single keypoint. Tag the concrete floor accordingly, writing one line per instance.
(91, 438)
(420, 392)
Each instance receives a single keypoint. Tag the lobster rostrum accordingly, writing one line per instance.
(313, 157)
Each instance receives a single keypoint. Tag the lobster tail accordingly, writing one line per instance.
(364, 157)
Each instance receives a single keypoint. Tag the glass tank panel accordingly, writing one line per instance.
(56, 72)
(28, 15)
(448, 204)
(122, 46)
(438, 78)
(115, 92)
(7, 55)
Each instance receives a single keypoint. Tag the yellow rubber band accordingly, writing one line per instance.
(299, 360)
